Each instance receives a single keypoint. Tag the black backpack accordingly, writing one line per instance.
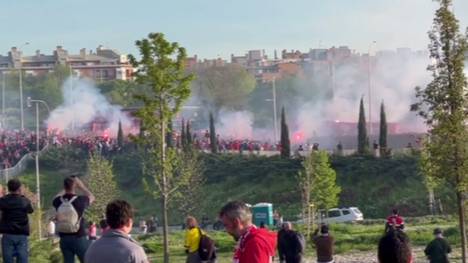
(206, 248)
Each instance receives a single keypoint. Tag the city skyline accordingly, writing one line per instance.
(210, 29)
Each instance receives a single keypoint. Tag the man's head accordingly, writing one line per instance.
(191, 222)
(236, 217)
(287, 226)
(395, 211)
(69, 184)
(394, 247)
(14, 186)
(119, 215)
(438, 232)
(324, 229)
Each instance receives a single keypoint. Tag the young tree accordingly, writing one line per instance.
(383, 131)
(120, 136)
(317, 182)
(213, 139)
(161, 68)
(285, 142)
(101, 183)
(363, 140)
(431, 181)
(443, 104)
(189, 199)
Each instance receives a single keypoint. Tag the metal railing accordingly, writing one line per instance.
(19, 167)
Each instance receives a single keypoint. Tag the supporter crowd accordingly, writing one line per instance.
(16, 144)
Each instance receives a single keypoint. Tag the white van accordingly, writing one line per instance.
(340, 215)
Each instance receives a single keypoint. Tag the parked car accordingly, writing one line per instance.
(337, 215)
(341, 215)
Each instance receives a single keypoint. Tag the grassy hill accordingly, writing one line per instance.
(374, 185)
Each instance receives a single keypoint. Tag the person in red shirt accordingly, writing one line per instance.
(254, 245)
(394, 221)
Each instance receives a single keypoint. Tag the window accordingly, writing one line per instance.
(334, 213)
(345, 212)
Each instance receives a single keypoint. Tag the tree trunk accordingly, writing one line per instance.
(164, 181)
(165, 229)
(431, 201)
(461, 219)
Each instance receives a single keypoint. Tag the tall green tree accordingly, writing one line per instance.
(285, 141)
(161, 68)
(101, 182)
(317, 182)
(383, 131)
(444, 104)
(213, 139)
(363, 139)
(120, 136)
(226, 86)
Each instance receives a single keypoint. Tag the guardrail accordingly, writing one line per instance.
(6, 174)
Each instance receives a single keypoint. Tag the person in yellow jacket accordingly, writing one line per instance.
(192, 240)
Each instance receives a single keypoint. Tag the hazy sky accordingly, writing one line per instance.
(213, 28)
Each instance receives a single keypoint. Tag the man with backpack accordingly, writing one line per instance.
(14, 224)
(198, 246)
(70, 209)
(291, 244)
(394, 221)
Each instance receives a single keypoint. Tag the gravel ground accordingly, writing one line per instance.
(371, 257)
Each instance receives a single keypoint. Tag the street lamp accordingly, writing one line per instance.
(21, 88)
(275, 118)
(3, 99)
(38, 186)
(370, 84)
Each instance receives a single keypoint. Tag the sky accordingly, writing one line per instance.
(219, 28)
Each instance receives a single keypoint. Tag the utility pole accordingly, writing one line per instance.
(369, 64)
(3, 99)
(275, 122)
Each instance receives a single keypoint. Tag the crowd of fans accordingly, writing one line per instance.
(16, 144)
(88, 142)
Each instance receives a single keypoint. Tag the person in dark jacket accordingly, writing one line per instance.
(14, 223)
(394, 247)
(438, 249)
(290, 244)
(324, 244)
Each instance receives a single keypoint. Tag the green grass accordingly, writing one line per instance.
(350, 238)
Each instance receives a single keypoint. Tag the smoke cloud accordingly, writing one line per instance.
(83, 104)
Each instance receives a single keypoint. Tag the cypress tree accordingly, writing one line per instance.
(285, 142)
(183, 139)
(363, 140)
(120, 136)
(188, 136)
(169, 140)
(383, 131)
(213, 139)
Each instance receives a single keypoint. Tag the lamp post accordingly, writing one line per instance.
(275, 123)
(21, 89)
(275, 118)
(370, 86)
(3, 100)
(38, 186)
